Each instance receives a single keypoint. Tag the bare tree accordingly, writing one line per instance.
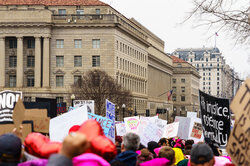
(97, 85)
(230, 15)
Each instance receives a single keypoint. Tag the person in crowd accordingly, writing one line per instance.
(73, 145)
(151, 146)
(118, 142)
(168, 153)
(10, 149)
(163, 142)
(214, 147)
(202, 155)
(144, 156)
(188, 147)
(179, 156)
(130, 144)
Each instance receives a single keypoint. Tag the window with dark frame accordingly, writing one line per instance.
(30, 61)
(76, 78)
(59, 61)
(183, 98)
(12, 81)
(59, 81)
(96, 43)
(30, 81)
(12, 61)
(77, 61)
(12, 43)
(31, 43)
(96, 61)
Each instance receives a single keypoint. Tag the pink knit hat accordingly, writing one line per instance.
(156, 161)
(89, 159)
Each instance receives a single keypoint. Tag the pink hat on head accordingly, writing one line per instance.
(89, 159)
(157, 150)
(156, 161)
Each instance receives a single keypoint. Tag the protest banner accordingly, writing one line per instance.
(110, 114)
(238, 144)
(132, 123)
(90, 104)
(171, 130)
(184, 125)
(104, 122)
(120, 129)
(7, 101)
(61, 108)
(161, 123)
(60, 125)
(215, 115)
(192, 114)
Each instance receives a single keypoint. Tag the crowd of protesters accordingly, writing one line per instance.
(130, 152)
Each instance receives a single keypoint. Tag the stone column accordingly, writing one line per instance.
(19, 70)
(2, 61)
(46, 62)
(38, 62)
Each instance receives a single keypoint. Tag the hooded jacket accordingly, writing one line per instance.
(128, 157)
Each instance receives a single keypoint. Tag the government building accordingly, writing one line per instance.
(46, 46)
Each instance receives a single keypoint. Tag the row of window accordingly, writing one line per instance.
(183, 80)
(210, 74)
(30, 61)
(131, 51)
(78, 43)
(78, 11)
(78, 61)
(182, 98)
(30, 81)
(131, 67)
(175, 89)
(191, 59)
(13, 43)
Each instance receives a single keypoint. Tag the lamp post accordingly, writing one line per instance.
(72, 97)
(135, 111)
(116, 112)
(123, 109)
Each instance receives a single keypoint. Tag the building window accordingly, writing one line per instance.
(204, 74)
(182, 98)
(218, 65)
(197, 65)
(30, 81)
(218, 69)
(218, 78)
(31, 61)
(79, 11)
(182, 89)
(211, 64)
(218, 59)
(59, 43)
(174, 98)
(204, 83)
(206, 59)
(191, 60)
(202, 65)
(78, 61)
(218, 92)
(59, 81)
(12, 81)
(31, 43)
(209, 74)
(96, 43)
(59, 61)
(95, 61)
(27, 99)
(174, 89)
(174, 80)
(61, 11)
(97, 11)
(183, 80)
(209, 78)
(218, 83)
(76, 78)
(203, 78)
(218, 74)
(78, 43)
(12, 43)
(12, 61)
(59, 99)
(209, 83)
(204, 88)
(218, 88)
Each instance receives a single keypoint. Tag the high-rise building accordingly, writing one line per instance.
(216, 75)
(47, 45)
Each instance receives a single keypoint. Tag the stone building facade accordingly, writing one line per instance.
(216, 75)
(185, 86)
(47, 45)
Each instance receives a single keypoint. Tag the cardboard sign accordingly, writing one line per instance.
(104, 122)
(18, 113)
(132, 123)
(120, 129)
(184, 126)
(60, 125)
(238, 144)
(215, 115)
(171, 130)
(195, 130)
(90, 104)
(192, 114)
(7, 101)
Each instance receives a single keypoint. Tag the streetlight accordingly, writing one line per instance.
(116, 112)
(123, 109)
(72, 99)
(135, 111)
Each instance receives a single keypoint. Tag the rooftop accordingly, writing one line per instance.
(54, 2)
(177, 60)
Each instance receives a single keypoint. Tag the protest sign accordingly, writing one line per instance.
(104, 122)
(195, 130)
(7, 101)
(238, 144)
(171, 130)
(192, 114)
(215, 115)
(110, 114)
(90, 104)
(132, 123)
(184, 125)
(61, 108)
(160, 123)
(60, 125)
(120, 129)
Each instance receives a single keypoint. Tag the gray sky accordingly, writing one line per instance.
(163, 18)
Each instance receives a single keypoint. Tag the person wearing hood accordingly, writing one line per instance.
(151, 146)
(130, 144)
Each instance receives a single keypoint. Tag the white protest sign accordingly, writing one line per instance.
(195, 130)
(184, 126)
(132, 124)
(192, 114)
(120, 129)
(161, 123)
(89, 103)
(171, 130)
(7, 101)
(60, 125)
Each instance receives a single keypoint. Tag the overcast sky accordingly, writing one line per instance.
(163, 18)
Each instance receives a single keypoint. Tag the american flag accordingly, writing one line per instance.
(169, 94)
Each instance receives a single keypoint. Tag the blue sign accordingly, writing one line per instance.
(110, 114)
